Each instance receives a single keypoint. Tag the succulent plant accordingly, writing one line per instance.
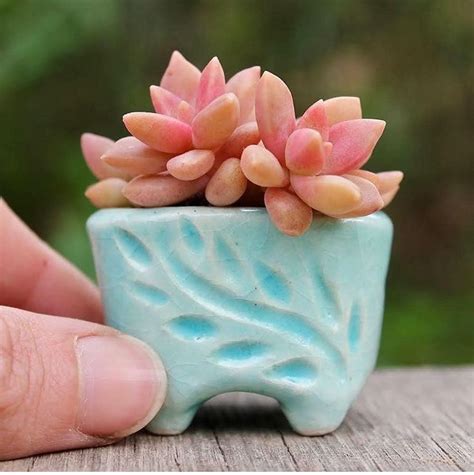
(239, 142)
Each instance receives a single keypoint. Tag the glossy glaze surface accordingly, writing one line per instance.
(231, 304)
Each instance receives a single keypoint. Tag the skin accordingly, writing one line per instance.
(58, 378)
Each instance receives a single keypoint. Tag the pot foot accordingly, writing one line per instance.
(171, 421)
(309, 417)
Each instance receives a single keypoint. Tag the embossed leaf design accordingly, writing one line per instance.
(297, 371)
(272, 282)
(191, 235)
(149, 294)
(240, 353)
(267, 314)
(192, 327)
(354, 327)
(133, 249)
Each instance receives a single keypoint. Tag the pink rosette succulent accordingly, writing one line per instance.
(313, 163)
(189, 144)
(237, 140)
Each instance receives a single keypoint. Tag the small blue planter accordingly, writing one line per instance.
(231, 304)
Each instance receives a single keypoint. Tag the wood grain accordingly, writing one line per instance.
(405, 419)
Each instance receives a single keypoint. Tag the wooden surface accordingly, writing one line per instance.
(405, 419)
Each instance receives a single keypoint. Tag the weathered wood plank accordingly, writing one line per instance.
(405, 419)
(400, 423)
(249, 432)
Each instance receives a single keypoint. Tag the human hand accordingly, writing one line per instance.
(64, 382)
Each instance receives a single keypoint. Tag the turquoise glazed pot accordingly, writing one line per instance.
(231, 304)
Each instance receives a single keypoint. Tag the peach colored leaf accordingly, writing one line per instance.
(151, 191)
(328, 194)
(304, 152)
(389, 180)
(327, 149)
(275, 113)
(371, 201)
(353, 142)
(191, 165)
(166, 103)
(372, 177)
(219, 160)
(287, 212)
(244, 86)
(135, 158)
(227, 184)
(339, 109)
(315, 118)
(261, 167)
(163, 133)
(252, 117)
(93, 147)
(211, 85)
(243, 136)
(107, 193)
(181, 77)
(213, 125)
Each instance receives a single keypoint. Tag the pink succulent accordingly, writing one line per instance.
(199, 123)
(240, 141)
(322, 152)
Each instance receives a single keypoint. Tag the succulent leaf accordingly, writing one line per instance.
(243, 136)
(315, 118)
(327, 149)
(227, 185)
(287, 212)
(371, 201)
(261, 167)
(389, 180)
(339, 109)
(304, 152)
(328, 194)
(135, 158)
(211, 84)
(107, 193)
(181, 77)
(353, 142)
(191, 165)
(372, 177)
(151, 191)
(93, 147)
(167, 103)
(244, 86)
(158, 131)
(275, 113)
(213, 125)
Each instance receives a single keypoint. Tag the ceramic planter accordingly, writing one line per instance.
(231, 304)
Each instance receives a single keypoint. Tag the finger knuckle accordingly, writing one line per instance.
(14, 374)
(15, 362)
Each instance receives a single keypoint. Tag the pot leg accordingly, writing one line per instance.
(172, 420)
(309, 416)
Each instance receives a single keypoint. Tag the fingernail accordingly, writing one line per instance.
(122, 385)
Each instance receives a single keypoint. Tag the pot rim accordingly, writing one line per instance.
(222, 212)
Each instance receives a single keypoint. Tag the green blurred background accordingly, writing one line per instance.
(68, 66)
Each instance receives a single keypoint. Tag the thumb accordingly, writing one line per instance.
(67, 383)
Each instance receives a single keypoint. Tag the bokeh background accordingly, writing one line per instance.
(68, 66)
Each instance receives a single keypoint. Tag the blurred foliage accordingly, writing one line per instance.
(67, 66)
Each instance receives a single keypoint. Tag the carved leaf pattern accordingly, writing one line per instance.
(266, 312)
(133, 249)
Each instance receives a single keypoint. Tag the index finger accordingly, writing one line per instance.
(36, 278)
